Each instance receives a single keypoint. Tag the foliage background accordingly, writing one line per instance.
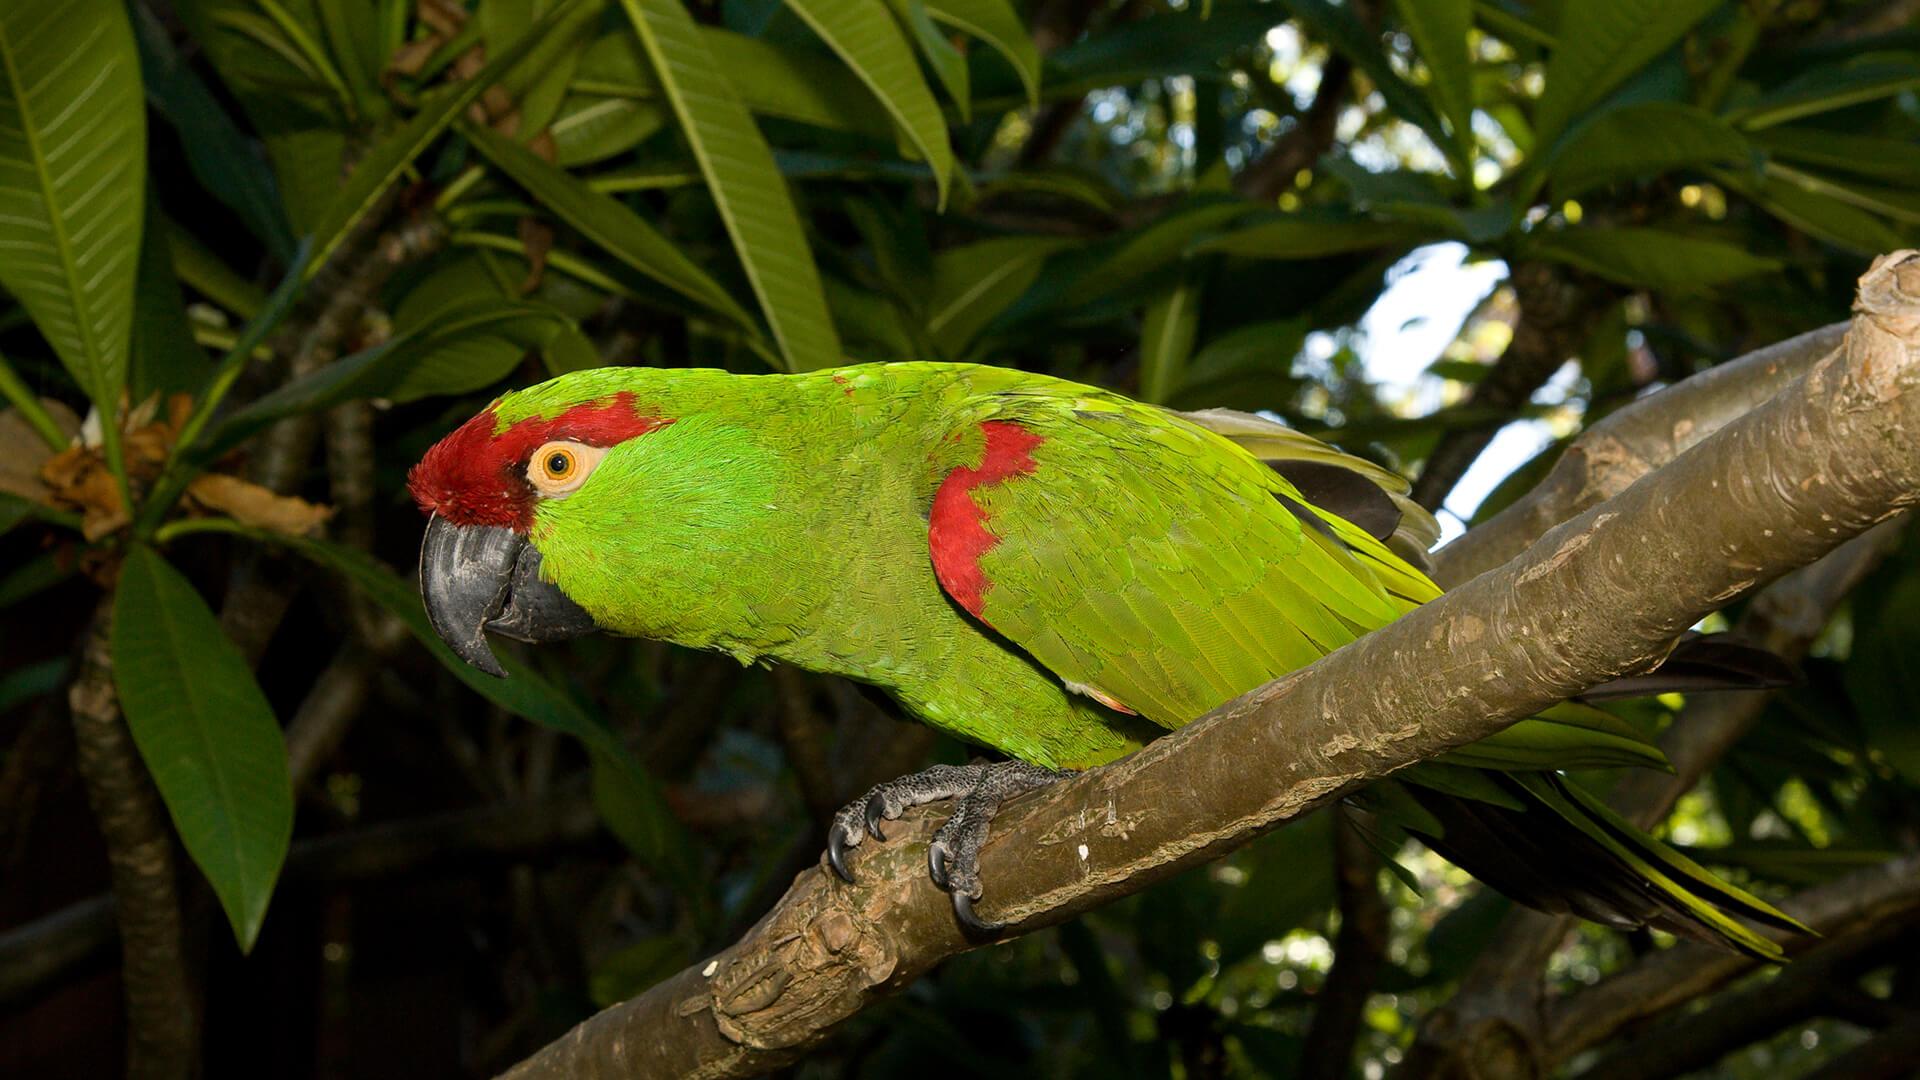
(283, 245)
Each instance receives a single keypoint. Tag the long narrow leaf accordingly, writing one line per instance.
(996, 23)
(391, 156)
(206, 733)
(865, 35)
(747, 188)
(604, 220)
(73, 142)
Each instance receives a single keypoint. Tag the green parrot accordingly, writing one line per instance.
(1043, 568)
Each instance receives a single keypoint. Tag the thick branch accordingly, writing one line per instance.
(1629, 444)
(1596, 597)
(162, 1030)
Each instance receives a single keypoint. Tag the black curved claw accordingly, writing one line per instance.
(937, 863)
(963, 911)
(837, 852)
(876, 813)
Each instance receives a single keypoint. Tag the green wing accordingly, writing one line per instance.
(1151, 563)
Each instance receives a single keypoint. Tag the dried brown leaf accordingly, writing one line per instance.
(251, 504)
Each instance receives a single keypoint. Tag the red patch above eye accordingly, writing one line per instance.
(475, 477)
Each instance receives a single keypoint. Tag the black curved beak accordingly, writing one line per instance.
(479, 578)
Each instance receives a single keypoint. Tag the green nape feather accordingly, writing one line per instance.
(1140, 557)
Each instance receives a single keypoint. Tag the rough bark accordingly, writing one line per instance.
(1596, 597)
(162, 1025)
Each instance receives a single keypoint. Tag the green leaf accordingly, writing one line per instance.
(806, 85)
(1829, 219)
(591, 129)
(23, 684)
(1601, 42)
(73, 143)
(1171, 43)
(227, 163)
(206, 733)
(975, 282)
(1861, 155)
(410, 366)
(164, 356)
(1440, 29)
(644, 821)
(538, 85)
(1642, 140)
(607, 222)
(1881, 678)
(1304, 237)
(1900, 205)
(949, 64)
(1825, 89)
(631, 970)
(865, 35)
(1166, 340)
(746, 185)
(392, 155)
(1153, 246)
(1650, 258)
(996, 23)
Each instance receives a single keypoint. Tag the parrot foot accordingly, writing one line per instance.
(953, 855)
(885, 802)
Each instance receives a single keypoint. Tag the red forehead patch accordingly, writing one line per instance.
(475, 477)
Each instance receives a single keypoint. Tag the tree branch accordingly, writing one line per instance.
(1629, 444)
(1557, 314)
(1596, 597)
(162, 1025)
(1671, 978)
(1359, 951)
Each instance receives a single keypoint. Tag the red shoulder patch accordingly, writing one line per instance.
(475, 477)
(957, 533)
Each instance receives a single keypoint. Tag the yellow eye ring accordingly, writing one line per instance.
(557, 464)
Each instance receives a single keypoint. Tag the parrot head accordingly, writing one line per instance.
(482, 487)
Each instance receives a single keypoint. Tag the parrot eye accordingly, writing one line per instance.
(559, 468)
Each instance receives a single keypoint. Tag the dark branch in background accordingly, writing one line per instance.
(1596, 597)
(1844, 907)
(1630, 443)
(1359, 952)
(1557, 313)
(162, 1005)
(39, 954)
(1273, 171)
(1814, 985)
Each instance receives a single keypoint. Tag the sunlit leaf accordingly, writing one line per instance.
(206, 733)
